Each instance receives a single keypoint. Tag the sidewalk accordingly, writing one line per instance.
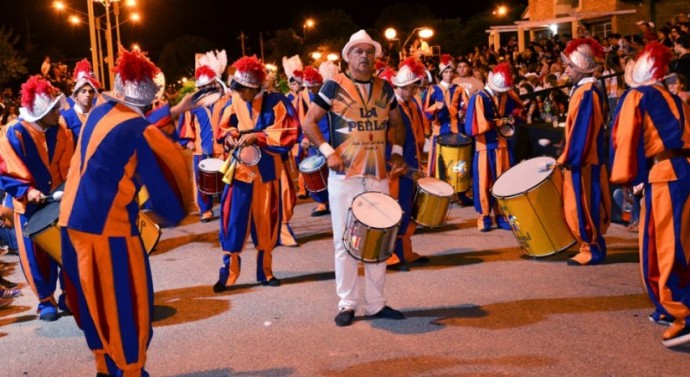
(480, 308)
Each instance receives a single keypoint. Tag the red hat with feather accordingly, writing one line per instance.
(580, 53)
(249, 72)
(312, 77)
(651, 65)
(501, 78)
(83, 75)
(38, 98)
(411, 71)
(134, 79)
(446, 63)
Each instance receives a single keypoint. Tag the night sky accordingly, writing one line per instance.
(217, 20)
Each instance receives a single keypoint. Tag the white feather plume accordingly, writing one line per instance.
(291, 65)
(216, 60)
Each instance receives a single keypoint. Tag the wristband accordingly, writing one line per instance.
(326, 150)
(397, 149)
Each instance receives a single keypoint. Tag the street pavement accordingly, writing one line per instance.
(480, 308)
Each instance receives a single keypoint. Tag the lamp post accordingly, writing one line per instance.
(424, 33)
(308, 24)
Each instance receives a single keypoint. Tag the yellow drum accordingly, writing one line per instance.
(454, 161)
(530, 196)
(43, 230)
(431, 202)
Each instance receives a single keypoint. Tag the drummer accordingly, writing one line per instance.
(312, 81)
(84, 97)
(488, 110)
(198, 127)
(443, 105)
(250, 203)
(36, 151)
(406, 83)
(358, 106)
(586, 195)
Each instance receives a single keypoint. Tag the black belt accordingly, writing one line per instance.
(671, 153)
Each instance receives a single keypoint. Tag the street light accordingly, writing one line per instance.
(424, 33)
(501, 11)
(308, 24)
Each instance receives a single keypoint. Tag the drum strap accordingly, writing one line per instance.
(671, 153)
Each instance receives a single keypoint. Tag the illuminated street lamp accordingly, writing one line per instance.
(501, 11)
(308, 24)
(74, 20)
(316, 55)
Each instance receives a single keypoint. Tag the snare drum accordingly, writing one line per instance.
(210, 178)
(43, 230)
(150, 231)
(372, 227)
(454, 161)
(431, 202)
(530, 196)
(315, 172)
(248, 154)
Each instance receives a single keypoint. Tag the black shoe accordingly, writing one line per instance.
(390, 313)
(302, 196)
(219, 287)
(273, 282)
(7, 283)
(398, 267)
(420, 262)
(322, 212)
(345, 318)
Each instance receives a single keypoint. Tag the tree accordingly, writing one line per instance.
(12, 65)
(177, 58)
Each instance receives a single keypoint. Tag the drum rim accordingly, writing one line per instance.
(210, 158)
(373, 227)
(319, 168)
(439, 142)
(251, 146)
(531, 188)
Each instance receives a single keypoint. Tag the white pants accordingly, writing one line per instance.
(341, 192)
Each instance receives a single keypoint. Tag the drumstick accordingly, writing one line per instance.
(54, 197)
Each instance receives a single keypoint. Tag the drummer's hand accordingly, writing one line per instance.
(498, 122)
(230, 141)
(249, 139)
(335, 163)
(190, 146)
(398, 166)
(35, 196)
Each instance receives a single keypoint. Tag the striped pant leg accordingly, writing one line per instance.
(115, 280)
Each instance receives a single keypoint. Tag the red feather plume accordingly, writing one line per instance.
(379, 65)
(298, 74)
(204, 70)
(661, 56)
(312, 75)
(575, 43)
(446, 59)
(251, 65)
(506, 71)
(415, 66)
(135, 66)
(387, 74)
(36, 85)
(83, 66)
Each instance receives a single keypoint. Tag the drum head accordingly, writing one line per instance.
(43, 218)
(523, 177)
(312, 163)
(249, 155)
(453, 139)
(435, 186)
(376, 210)
(210, 164)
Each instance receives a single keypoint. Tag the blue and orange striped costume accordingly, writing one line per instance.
(33, 159)
(492, 156)
(586, 195)
(251, 203)
(441, 104)
(199, 126)
(403, 188)
(648, 121)
(103, 256)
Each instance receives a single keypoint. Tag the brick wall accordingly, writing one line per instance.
(541, 9)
